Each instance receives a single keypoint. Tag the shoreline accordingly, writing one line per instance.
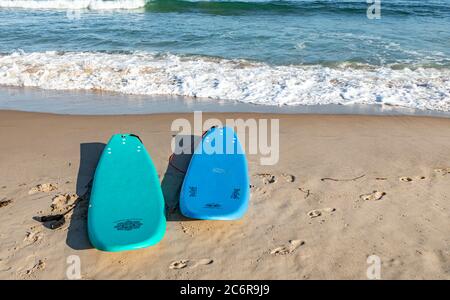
(67, 102)
(404, 158)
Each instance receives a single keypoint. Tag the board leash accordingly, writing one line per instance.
(192, 149)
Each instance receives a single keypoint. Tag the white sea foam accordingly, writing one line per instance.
(73, 4)
(250, 82)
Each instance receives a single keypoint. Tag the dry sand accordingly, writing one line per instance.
(345, 188)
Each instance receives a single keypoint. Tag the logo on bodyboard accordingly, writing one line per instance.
(212, 205)
(192, 191)
(236, 194)
(218, 170)
(128, 225)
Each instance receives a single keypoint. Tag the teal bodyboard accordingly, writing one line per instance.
(126, 208)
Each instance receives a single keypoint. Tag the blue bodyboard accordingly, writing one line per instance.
(216, 186)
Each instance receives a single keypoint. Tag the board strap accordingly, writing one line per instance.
(173, 154)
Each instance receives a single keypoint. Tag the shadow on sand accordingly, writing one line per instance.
(77, 235)
(174, 175)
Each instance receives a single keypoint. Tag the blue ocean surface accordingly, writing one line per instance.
(297, 52)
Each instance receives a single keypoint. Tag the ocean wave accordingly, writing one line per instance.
(215, 78)
(300, 7)
(228, 7)
(73, 4)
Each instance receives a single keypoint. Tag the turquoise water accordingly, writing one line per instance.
(264, 52)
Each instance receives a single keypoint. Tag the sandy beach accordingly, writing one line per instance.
(345, 188)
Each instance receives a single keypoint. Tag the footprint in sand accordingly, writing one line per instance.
(288, 177)
(318, 212)
(33, 236)
(44, 188)
(5, 202)
(288, 249)
(40, 265)
(64, 202)
(307, 192)
(179, 264)
(409, 179)
(442, 171)
(374, 196)
(183, 263)
(405, 179)
(267, 178)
